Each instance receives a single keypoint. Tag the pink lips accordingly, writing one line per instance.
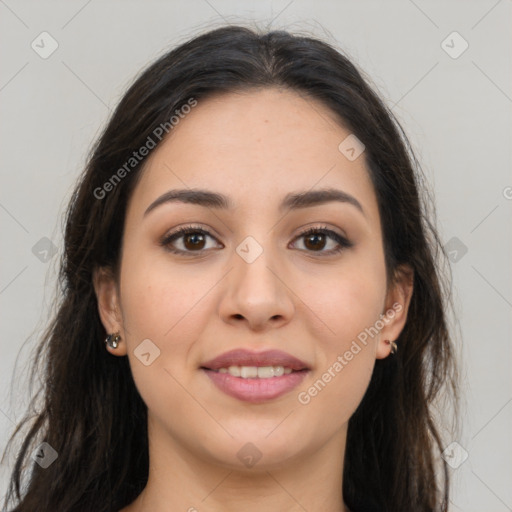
(241, 357)
(255, 390)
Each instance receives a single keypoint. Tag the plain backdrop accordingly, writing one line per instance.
(443, 66)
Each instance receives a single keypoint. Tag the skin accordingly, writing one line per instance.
(254, 147)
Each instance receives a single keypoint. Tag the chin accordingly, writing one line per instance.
(256, 451)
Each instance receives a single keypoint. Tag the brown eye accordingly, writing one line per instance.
(316, 239)
(192, 240)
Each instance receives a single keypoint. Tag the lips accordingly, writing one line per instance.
(251, 389)
(241, 357)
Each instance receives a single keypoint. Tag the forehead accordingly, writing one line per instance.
(255, 147)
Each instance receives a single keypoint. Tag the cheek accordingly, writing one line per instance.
(160, 300)
(346, 301)
(164, 306)
(347, 305)
(345, 349)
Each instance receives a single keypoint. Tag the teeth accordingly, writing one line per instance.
(234, 370)
(248, 372)
(265, 372)
(252, 372)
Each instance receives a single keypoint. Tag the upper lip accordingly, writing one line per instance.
(243, 357)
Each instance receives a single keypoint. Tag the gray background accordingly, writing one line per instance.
(456, 112)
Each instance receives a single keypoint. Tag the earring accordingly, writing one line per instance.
(394, 346)
(112, 340)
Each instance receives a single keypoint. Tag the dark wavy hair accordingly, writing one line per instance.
(90, 411)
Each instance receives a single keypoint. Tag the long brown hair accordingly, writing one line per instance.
(91, 413)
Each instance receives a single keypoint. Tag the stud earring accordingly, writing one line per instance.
(112, 340)
(394, 346)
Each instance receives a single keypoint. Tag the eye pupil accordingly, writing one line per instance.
(194, 237)
(315, 237)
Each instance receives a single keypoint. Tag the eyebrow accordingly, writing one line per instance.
(292, 201)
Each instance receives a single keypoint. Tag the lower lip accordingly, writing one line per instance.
(255, 390)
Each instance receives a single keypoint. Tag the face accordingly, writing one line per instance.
(247, 278)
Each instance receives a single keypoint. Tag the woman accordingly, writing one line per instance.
(252, 314)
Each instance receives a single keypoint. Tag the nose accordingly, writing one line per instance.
(258, 292)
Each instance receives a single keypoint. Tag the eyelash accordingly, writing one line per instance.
(166, 241)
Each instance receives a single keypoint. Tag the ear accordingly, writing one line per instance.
(109, 306)
(395, 311)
